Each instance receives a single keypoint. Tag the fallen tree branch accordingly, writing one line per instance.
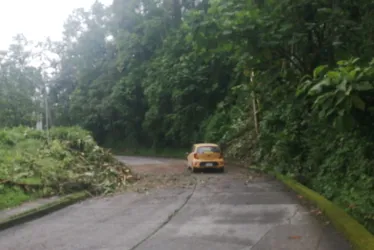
(25, 186)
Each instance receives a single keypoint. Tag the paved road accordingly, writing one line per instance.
(219, 211)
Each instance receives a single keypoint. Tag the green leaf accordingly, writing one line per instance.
(344, 122)
(304, 87)
(340, 98)
(318, 70)
(325, 10)
(358, 102)
(354, 61)
(349, 90)
(371, 109)
(333, 75)
(322, 99)
(343, 85)
(363, 86)
(319, 86)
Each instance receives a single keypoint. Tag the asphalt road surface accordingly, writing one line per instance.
(171, 209)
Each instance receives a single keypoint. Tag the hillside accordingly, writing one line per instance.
(286, 84)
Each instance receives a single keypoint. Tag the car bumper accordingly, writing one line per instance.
(208, 164)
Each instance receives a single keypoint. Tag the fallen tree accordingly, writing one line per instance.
(65, 161)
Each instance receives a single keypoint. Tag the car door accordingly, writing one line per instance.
(190, 156)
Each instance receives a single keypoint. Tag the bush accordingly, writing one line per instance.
(302, 137)
(322, 136)
(338, 165)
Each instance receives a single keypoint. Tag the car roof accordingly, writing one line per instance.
(206, 144)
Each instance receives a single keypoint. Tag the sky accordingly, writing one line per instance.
(36, 19)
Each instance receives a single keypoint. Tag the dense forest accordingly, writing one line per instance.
(288, 84)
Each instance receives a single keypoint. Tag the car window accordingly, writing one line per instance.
(203, 149)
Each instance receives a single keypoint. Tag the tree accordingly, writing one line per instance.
(20, 85)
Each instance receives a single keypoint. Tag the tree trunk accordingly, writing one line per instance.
(254, 107)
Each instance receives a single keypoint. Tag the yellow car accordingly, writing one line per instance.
(205, 155)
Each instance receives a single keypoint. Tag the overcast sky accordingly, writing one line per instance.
(36, 19)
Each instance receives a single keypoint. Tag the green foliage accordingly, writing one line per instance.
(271, 81)
(12, 196)
(303, 138)
(20, 85)
(342, 93)
(70, 161)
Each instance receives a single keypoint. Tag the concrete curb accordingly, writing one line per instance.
(43, 210)
(359, 237)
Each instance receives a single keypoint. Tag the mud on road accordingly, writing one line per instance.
(158, 173)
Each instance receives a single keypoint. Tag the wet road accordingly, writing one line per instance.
(231, 211)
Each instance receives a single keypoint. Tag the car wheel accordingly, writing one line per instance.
(222, 170)
(194, 170)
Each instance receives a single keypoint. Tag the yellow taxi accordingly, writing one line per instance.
(205, 156)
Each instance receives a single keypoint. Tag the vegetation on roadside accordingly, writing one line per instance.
(285, 84)
(14, 196)
(356, 233)
(36, 164)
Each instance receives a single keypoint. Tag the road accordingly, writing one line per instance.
(171, 209)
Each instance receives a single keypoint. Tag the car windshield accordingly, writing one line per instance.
(204, 149)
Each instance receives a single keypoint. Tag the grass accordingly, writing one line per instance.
(162, 152)
(13, 196)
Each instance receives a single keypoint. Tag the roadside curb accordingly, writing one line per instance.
(43, 210)
(355, 233)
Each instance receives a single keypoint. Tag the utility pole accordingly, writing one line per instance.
(46, 111)
(254, 106)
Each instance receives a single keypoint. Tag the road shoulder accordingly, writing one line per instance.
(358, 236)
(36, 209)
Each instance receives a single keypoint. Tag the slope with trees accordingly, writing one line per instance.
(288, 84)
